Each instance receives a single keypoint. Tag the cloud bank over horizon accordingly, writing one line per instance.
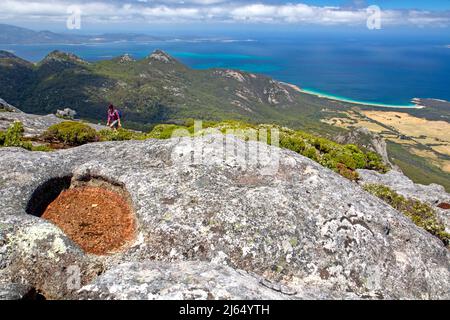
(216, 11)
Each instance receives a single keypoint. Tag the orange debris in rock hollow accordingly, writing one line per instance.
(100, 221)
(444, 205)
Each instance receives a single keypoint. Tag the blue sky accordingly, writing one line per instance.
(116, 15)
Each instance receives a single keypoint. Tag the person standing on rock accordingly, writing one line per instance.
(113, 118)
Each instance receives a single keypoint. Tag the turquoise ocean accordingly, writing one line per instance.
(380, 69)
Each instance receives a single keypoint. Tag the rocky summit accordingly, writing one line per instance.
(34, 125)
(212, 224)
(6, 107)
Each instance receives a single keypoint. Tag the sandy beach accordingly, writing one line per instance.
(362, 103)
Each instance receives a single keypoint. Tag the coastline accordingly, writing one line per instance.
(415, 102)
(319, 94)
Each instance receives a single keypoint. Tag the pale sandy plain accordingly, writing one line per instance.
(395, 126)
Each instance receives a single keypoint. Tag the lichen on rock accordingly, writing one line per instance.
(300, 231)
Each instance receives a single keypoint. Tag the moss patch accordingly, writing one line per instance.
(71, 133)
(420, 213)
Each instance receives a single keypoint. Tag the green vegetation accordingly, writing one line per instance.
(151, 92)
(13, 137)
(42, 148)
(167, 131)
(121, 135)
(420, 213)
(344, 159)
(417, 168)
(71, 133)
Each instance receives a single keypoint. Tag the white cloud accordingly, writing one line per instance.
(211, 10)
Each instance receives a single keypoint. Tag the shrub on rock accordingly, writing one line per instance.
(343, 159)
(289, 142)
(375, 162)
(71, 133)
(347, 172)
(420, 213)
(121, 135)
(13, 137)
(166, 131)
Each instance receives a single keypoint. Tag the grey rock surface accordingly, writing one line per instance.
(296, 225)
(186, 280)
(371, 141)
(66, 113)
(432, 194)
(34, 125)
(13, 291)
(7, 107)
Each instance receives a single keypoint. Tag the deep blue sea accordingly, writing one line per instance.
(389, 69)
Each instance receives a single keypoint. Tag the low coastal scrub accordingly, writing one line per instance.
(71, 133)
(167, 131)
(42, 148)
(121, 135)
(13, 137)
(420, 213)
(344, 159)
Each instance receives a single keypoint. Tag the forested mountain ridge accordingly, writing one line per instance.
(160, 89)
(155, 89)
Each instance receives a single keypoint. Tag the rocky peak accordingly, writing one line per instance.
(10, 59)
(231, 74)
(7, 107)
(161, 56)
(7, 55)
(276, 92)
(59, 56)
(126, 58)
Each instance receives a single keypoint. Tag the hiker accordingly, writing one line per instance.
(113, 118)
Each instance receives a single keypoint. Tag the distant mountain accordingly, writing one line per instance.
(155, 89)
(16, 35)
(160, 89)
